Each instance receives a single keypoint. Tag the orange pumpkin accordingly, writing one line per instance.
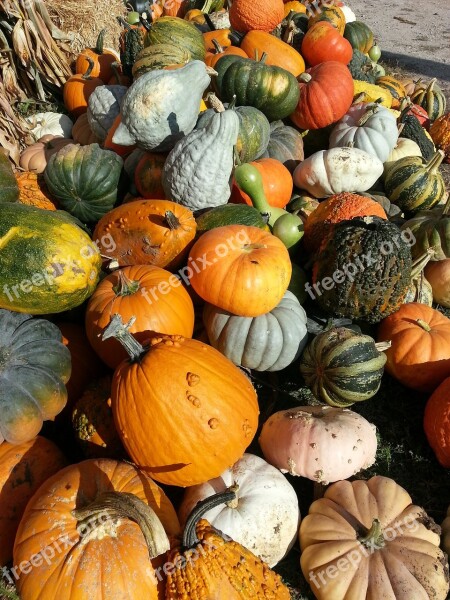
(24, 467)
(78, 89)
(323, 42)
(123, 151)
(293, 6)
(157, 232)
(173, 8)
(277, 183)
(440, 133)
(243, 270)
(33, 191)
(279, 54)
(419, 356)
(102, 59)
(118, 78)
(263, 15)
(148, 175)
(337, 208)
(212, 57)
(436, 423)
(155, 297)
(437, 273)
(82, 133)
(176, 396)
(222, 36)
(85, 521)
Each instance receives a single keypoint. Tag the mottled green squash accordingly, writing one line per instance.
(47, 263)
(177, 32)
(414, 131)
(363, 270)
(9, 189)
(362, 68)
(342, 367)
(159, 56)
(359, 35)
(131, 43)
(229, 214)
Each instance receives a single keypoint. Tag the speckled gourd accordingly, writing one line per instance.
(210, 185)
(103, 107)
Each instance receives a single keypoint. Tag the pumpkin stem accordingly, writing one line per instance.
(370, 111)
(400, 128)
(209, 22)
(210, 71)
(214, 102)
(235, 502)
(374, 537)
(359, 98)
(145, 23)
(115, 69)
(217, 47)
(171, 220)
(383, 346)
(232, 104)
(121, 505)
(237, 158)
(421, 262)
(125, 286)
(189, 534)
(100, 42)
(304, 77)
(434, 163)
(263, 57)
(87, 75)
(118, 330)
(424, 325)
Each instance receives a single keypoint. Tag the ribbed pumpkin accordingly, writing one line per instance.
(326, 94)
(35, 157)
(431, 230)
(101, 57)
(324, 42)
(337, 208)
(263, 15)
(159, 56)
(179, 33)
(359, 35)
(342, 367)
(59, 264)
(155, 297)
(431, 98)
(280, 54)
(199, 395)
(237, 259)
(440, 132)
(270, 342)
(363, 269)
(103, 108)
(414, 184)
(148, 175)
(158, 233)
(330, 13)
(436, 421)
(82, 133)
(33, 191)
(395, 88)
(102, 513)
(78, 88)
(285, 145)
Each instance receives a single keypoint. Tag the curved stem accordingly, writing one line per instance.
(171, 220)
(115, 69)
(118, 330)
(263, 57)
(100, 42)
(372, 110)
(88, 73)
(209, 22)
(374, 537)
(214, 102)
(217, 47)
(189, 534)
(434, 163)
(421, 262)
(424, 325)
(121, 505)
(235, 502)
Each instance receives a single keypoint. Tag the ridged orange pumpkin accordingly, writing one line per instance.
(101, 57)
(222, 37)
(323, 42)
(277, 183)
(436, 422)
(78, 89)
(184, 412)
(82, 133)
(24, 467)
(279, 54)
(340, 207)
(241, 269)
(85, 521)
(440, 133)
(148, 173)
(263, 15)
(33, 191)
(155, 297)
(212, 57)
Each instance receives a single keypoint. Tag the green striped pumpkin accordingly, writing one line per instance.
(415, 185)
(177, 32)
(342, 367)
(159, 56)
(359, 35)
(431, 98)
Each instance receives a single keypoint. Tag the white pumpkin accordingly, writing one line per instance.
(50, 123)
(405, 147)
(265, 516)
(329, 172)
(348, 13)
(369, 127)
(103, 107)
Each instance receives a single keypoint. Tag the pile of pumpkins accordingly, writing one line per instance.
(218, 179)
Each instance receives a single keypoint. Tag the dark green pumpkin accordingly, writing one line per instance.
(342, 367)
(414, 184)
(177, 32)
(254, 131)
(362, 68)
(359, 35)
(273, 90)
(229, 214)
(131, 43)
(431, 229)
(432, 99)
(84, 180)
(285, 144)
(159, 56)
(363, 270)
(9, 190)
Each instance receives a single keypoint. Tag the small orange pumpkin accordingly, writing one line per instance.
(102, 59)
(213, 57)
(440, 133)
(436, 423)
(78, 89)
(323, 42)
(82, 133)
(123, 151)
(222, 36)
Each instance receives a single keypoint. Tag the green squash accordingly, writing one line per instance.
(414, 131)
(359, 35)
(131, 44)
(414, 184)
(159, 56)
(254, 131)
(229, 214)
(273, 90)
(84, 180)
(431, 98)
(342, 367)
(297, 284)
(285, 144)
(9, 190)
(362, 68)
(177, 32)
(34, 366)
(431, 229)
(363, 270)
(48, 264)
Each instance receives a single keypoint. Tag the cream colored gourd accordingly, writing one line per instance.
(265, 515)
(103, 107)
(197, 171)
(161, 107)
(405, 147)
(50, 123)
(329, 172)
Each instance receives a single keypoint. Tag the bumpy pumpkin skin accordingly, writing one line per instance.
(263, 15)
(24, 468)
(34, 366)
(440, 132)
(115, 548)
(198, 396)
(377, 289)
(221, 569)
(33, 192)
(59, 255)
(408, 564)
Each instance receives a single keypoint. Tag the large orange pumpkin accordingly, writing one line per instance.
(24, 467)
(241, 269)
(436, 423)
(419, 356)
(277, 183)
(148, 232)
(263, 15)
(79, 536)
(323, 42)
(184, 412)
(154, 296)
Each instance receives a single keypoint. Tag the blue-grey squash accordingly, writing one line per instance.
(103, 107)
